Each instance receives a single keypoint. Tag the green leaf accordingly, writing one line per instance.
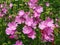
(56, 31)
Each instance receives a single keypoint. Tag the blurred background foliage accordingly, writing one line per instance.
(21, 5)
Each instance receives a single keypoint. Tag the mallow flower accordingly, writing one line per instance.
(11, 5)
(12, 25)
(34, 1)
(47, 34)
(1, 5)
(14, 36)
(39, 9)
(4, 10)
(31, 5)
(27, 29)
(47, 23)
(19, 20)
(47, 28)
(29, 21)
(1, 14)
(21, 13)
(32, 34)
(18, 43)
(9, 31)
(47, 4)
(36, 14)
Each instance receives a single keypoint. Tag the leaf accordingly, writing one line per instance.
(56, 31)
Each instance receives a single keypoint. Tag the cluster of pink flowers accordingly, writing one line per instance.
(31, 21)
(4, 9)
(11, 29)
(47, 28)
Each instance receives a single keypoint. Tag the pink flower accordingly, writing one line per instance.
(34, 25)
(27, 29)
(42, 25)
(47, 4)
(11, 5)
(47, 28)
(4, 10)
(26, 15)
(39, 9)
(29, 21)
(18, 43)
(10, 17)
(1, 5)
(13, 36)
(1, 14)
(36, 21)
(48, 38)
(21, 13)
(31, 5)
(34, 1)
(36, 14)
(19, 20)
(47, 23)
(12, 25)
(9, 31)
(47, 34)
(32, 35)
